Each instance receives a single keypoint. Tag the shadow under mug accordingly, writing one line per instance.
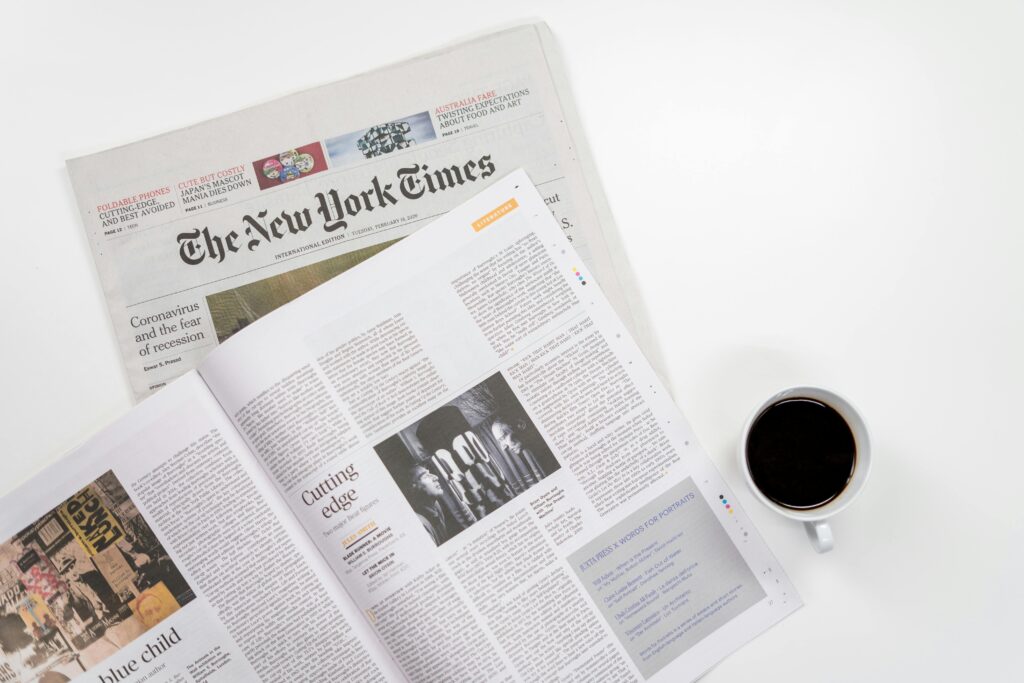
(816, 519)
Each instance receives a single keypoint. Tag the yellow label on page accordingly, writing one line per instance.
(482, 222)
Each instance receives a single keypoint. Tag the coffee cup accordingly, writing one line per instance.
(805, 453)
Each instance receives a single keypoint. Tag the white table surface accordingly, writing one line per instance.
(810, 192)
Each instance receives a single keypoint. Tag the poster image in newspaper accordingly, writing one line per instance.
(85, 579)
(199, 232)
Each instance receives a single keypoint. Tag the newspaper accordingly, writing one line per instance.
(198, 233)
(450, 463)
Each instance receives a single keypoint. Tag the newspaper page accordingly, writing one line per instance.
(199, 232)
(493, 471)
(159, 551)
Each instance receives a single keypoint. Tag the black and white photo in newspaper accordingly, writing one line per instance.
(199, 232)
(483, 456)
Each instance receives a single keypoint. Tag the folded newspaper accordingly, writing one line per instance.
(199, 232)
(451, 462)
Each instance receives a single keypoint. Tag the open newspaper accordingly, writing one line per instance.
(199, 232)
(450, 463)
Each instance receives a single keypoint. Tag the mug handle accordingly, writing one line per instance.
(820, 534)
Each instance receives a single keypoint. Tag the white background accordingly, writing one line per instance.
(810, 192)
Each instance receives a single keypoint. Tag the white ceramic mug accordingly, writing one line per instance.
(816, 519)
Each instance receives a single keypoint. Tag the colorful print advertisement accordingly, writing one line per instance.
(381, 139)
(80, 583)
(290, 165)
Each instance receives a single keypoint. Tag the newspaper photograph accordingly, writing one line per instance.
(199, 232)
(467, 458)
(82, 581)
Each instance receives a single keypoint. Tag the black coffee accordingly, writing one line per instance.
(801, 453)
